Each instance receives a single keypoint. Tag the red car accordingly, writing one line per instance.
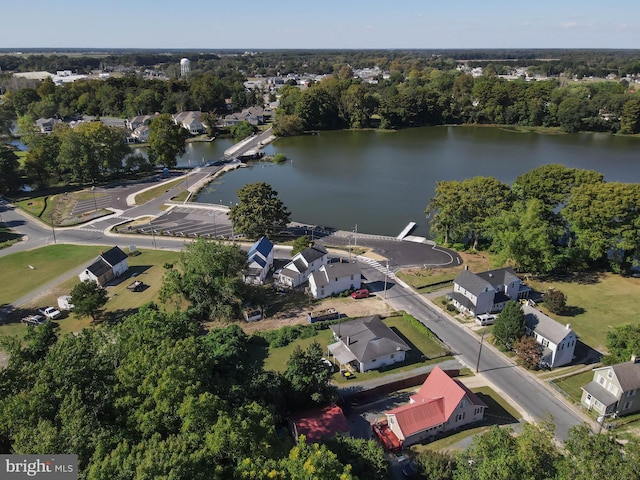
(362, 293)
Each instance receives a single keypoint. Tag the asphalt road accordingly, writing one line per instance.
(529, 393)
(531, 396)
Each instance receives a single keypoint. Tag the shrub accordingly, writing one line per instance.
(279, 158)
(555, 301)
(451, 308)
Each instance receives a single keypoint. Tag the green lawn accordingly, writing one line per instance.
(152, 193)
(426, 349)
(148, 265)
(572, 384)
(49, 263)
(597, 303)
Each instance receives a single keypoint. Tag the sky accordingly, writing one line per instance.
(351, 24)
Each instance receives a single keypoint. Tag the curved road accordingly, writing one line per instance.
(529, 393)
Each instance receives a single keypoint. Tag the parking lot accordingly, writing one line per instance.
(191, 222)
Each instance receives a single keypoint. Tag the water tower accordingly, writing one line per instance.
(185, 66)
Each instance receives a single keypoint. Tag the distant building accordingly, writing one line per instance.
(185, 66)
(107, 266)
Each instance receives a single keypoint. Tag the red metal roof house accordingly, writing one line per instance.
(441, 404)
(319, 423)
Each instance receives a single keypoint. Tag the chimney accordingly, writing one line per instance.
(466, 267)
(568, 326)
(348, 340)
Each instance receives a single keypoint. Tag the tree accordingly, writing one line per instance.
(88, 299)
(525, 238)
(630, 119)
(242, 130)
(209, 276)
(509, 326)
(366, 457)
(462, 208)
(309, 378)
(555, 301)
(259, 211)
(300, 244)
(9, 170)
(166, 140)
(437, 464)
(605, 220)
(529, 352)
(622, 343)
(287, 125)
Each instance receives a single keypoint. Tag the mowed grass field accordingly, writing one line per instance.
(149, 267)
(596, 304)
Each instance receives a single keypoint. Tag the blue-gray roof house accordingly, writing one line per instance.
(259, 261)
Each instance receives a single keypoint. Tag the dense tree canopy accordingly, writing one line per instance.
(208, 276)
(9, 170)
(166, 141)
(259, 211)
(509, 326)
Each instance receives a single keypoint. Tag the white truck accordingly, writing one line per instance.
(50, 312)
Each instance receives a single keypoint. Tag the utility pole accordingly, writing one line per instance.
(93, 190)
(479, 352)
(355, 238)
(153, 237)
(386, 274)
(53, 228)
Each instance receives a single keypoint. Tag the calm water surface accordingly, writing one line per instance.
(381, 181)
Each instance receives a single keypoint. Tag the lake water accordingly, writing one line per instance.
(381, 181)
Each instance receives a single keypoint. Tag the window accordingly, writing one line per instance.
(589, 397)
(627, 405)
(610, 374)
(613, 389)
(631, 393)
(545, 342)
(600, 379)
(461, 404)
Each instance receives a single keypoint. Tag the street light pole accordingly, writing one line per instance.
(355, 237)
(479, 352)
(93, 191)
(386, 274)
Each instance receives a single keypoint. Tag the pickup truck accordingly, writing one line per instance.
(50, 312)
(34, 320)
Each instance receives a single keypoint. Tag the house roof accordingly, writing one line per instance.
(433, 404)
(369, 338)
(320, 423)
(462, 300)
(472, 282)
(544, 325)
(601, 394)
(99, 267)
(325, 273)
(256, 259)
(501, 276)
(263, 246)
(113, 256)
(627, 373)
(287, 272)
(313, 253)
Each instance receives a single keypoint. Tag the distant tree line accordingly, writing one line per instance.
(553, 218)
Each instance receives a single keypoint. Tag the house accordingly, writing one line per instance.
(108, 265)
(138, 121)
(615, 389)
(441, 404)
(141, 134)
(366, 344)
(190, 121)
(478, 293)
(558, 341)
(46, 124)
(253, 115)
(333, 278)
(319, 424)
(302, 265)
(259, 262)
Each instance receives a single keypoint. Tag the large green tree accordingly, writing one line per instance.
(208, 275)
(88, 299)
(622, 343)
(309, 378)
(462, 209)
(9, 170)
(509, 326)
(259, 211)
(166, 140)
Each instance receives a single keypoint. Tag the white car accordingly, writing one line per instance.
(50, 312)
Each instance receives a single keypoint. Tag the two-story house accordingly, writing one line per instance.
(558, 341)
(334, 278)
(259, 261)
(478, 293)
(441, 404)
(302, 265)
(614, 389)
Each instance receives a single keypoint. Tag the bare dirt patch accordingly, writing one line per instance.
(298, 315)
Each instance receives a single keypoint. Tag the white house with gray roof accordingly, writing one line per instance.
(614, 389)
(367, 344)
(558, 341)
(333, 278)
(302, 265)
(478, 293)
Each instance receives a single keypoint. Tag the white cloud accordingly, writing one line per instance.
(571, 24)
